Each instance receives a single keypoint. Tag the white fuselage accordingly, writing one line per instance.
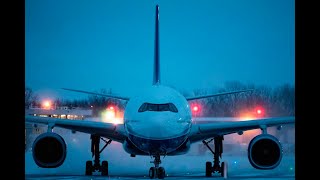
(158, 120)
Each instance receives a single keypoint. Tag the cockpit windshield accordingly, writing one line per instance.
(158, 107)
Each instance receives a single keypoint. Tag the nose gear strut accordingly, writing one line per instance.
(156, 171)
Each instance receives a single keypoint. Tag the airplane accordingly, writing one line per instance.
(157, 123)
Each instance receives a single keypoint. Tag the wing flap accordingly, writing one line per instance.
(108, 130)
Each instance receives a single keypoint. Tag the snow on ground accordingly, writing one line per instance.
(122, 166)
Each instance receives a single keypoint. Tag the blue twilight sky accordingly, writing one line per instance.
(102, 44)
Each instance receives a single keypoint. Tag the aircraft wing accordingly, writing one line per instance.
(108, 130)
(204, 131)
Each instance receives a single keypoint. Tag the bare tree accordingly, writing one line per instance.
(30, 98)
(277, 102)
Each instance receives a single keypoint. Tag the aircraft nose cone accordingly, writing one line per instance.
(157, 128)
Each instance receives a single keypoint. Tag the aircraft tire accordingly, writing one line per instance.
(89, 168)
(152, 173)
(161, 173)
(104, 168)
(208, 169)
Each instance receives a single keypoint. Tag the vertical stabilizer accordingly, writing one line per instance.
(156, 70)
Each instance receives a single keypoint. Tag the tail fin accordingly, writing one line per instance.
(156, 70)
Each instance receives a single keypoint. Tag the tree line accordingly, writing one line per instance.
(277, 101)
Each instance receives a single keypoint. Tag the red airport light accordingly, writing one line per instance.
(111, 109)
(259, 111)
(195, 108)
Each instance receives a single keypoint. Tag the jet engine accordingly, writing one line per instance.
(49, 150)
(264, 152)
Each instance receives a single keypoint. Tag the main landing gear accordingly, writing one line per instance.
(96, 166)
(223, 169)
(156, 171)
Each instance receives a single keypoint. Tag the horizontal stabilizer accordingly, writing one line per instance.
(99, 94)
(218, 94)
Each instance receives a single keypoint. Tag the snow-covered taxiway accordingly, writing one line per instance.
(122, 166)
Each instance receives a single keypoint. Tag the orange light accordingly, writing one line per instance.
(246, 117)
(46, 104)
(112, 115)
(117, 121)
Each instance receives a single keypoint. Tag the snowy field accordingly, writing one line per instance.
(122, 166)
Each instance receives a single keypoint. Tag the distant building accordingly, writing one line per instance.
(32, 130)
(60, 112)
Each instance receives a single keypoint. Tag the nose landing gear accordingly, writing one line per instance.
(156, 171)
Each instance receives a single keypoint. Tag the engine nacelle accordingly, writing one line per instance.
(49, 150)
(264, 152)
